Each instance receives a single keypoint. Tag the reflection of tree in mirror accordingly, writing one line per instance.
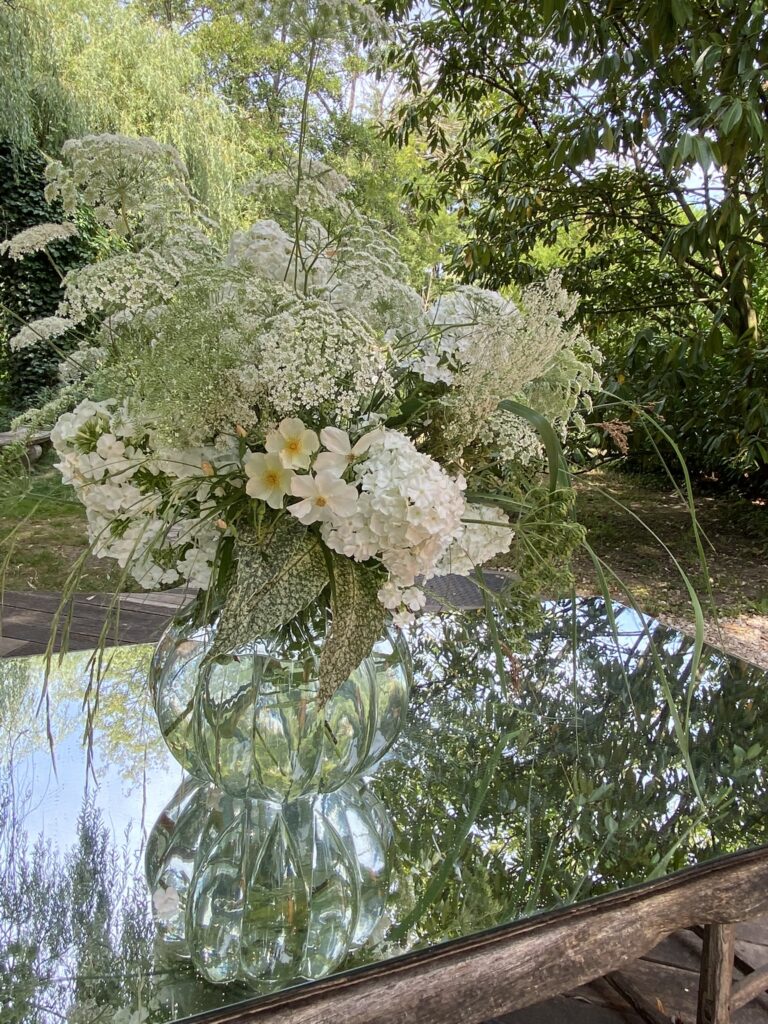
(593, 791)
(76, 935)
(125, 727)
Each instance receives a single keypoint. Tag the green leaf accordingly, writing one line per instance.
(358, 622)
(732, 117)
(277, 576)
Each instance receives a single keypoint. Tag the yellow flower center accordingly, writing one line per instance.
(293, 445)
(271, 479)
(321, 502)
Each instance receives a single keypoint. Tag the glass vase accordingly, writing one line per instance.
(268, 893)
(250, 723)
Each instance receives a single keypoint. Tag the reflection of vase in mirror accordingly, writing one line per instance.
(250, 722)
(268, 893)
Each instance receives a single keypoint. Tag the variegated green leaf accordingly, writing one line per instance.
(358, 622)
(276, 577)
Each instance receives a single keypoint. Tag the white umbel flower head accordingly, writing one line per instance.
(326, 498)
(293, 443)
(268, 479)
(41, 330)
(33, 239)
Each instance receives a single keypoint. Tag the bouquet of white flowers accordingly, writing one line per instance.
(280, 418)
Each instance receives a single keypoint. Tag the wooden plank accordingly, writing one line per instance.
(10, 646)
(674, 991)
(522, 964)
(562, 1008)
(94, 606)
(714, 1005)
(8, 437)
(25, 626)
(648, 1012)
(749, 988)
(755, 932)
(31, 617)
(681, 950)
(606, 995)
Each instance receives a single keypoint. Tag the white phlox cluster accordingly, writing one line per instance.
(407, 513)
(152, 512)
(477, 542)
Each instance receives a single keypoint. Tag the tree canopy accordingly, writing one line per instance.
(634, 137)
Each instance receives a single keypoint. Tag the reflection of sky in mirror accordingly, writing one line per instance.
(52, 784)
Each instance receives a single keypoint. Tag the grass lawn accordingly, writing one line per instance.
(43, 533)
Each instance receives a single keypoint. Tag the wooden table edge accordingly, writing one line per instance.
(507, 968)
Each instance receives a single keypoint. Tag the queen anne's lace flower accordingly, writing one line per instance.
(41, 330)
(121, 178)
(312, 359)
(33, 239)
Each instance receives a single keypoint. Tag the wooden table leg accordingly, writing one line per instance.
(716, 975)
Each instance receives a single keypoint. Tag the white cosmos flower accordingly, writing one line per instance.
(325, 496)
(268, 479)
(341, 453)
(293, 442)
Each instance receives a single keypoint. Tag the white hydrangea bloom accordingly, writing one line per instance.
(81, 362)
(408, 512)
(33, 239)
(370, 280)
(477, 542)
(271, 253)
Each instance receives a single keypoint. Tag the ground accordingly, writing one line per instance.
(42, 533)
(735, 540)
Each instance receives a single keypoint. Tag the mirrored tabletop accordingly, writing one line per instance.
(525, 781)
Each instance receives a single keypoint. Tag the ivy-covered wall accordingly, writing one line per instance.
(29, 288)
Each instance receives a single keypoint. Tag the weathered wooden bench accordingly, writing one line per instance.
(33, 442)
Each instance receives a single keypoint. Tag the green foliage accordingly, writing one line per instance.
(580, 801)
(99, 66)
(636, 132)
(280, 571)
(357, 623)
(29, 288)
(81, 964)
(378, 173)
